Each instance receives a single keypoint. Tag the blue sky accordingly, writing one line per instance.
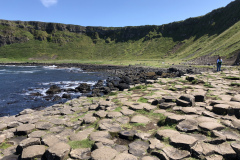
(108, 13)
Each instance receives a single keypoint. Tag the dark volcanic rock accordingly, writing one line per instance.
(84, 88)
(53, 89)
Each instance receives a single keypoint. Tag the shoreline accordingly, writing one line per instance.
(134, 123)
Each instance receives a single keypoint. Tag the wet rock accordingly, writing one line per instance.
(53, 89)
(66, 96)
(83, 88)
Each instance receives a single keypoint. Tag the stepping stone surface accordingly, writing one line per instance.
(209, 126)
(105, 153)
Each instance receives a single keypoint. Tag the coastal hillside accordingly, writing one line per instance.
(197, 40)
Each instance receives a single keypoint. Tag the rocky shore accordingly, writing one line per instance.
(189, 116)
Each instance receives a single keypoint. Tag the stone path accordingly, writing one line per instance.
(192, 117)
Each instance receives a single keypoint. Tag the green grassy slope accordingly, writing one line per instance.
(216, 33)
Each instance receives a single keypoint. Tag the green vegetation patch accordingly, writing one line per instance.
(143, 100)
(118, 109)
(5, 145)
(208, 85)
(235, 84)
(81, 144)
(232, 78)
(138, 124)
(140, 87)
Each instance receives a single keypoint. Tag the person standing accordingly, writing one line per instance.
(219, 63)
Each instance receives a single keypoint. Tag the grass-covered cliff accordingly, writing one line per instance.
(198, 39)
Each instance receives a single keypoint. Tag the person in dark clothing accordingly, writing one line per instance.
(219, 63)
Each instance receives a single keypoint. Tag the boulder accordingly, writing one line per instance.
(53, 89)
(84, 88)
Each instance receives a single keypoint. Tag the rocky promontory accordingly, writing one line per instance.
(188, 117)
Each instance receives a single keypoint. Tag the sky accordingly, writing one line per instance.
(107, 13)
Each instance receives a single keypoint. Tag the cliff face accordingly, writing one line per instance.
(214, 23)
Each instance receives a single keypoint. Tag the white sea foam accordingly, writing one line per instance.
(61, 84)
(50, 67)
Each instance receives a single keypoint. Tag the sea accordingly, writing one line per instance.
(23, 87)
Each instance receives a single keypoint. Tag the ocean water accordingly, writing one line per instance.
(20, 84)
